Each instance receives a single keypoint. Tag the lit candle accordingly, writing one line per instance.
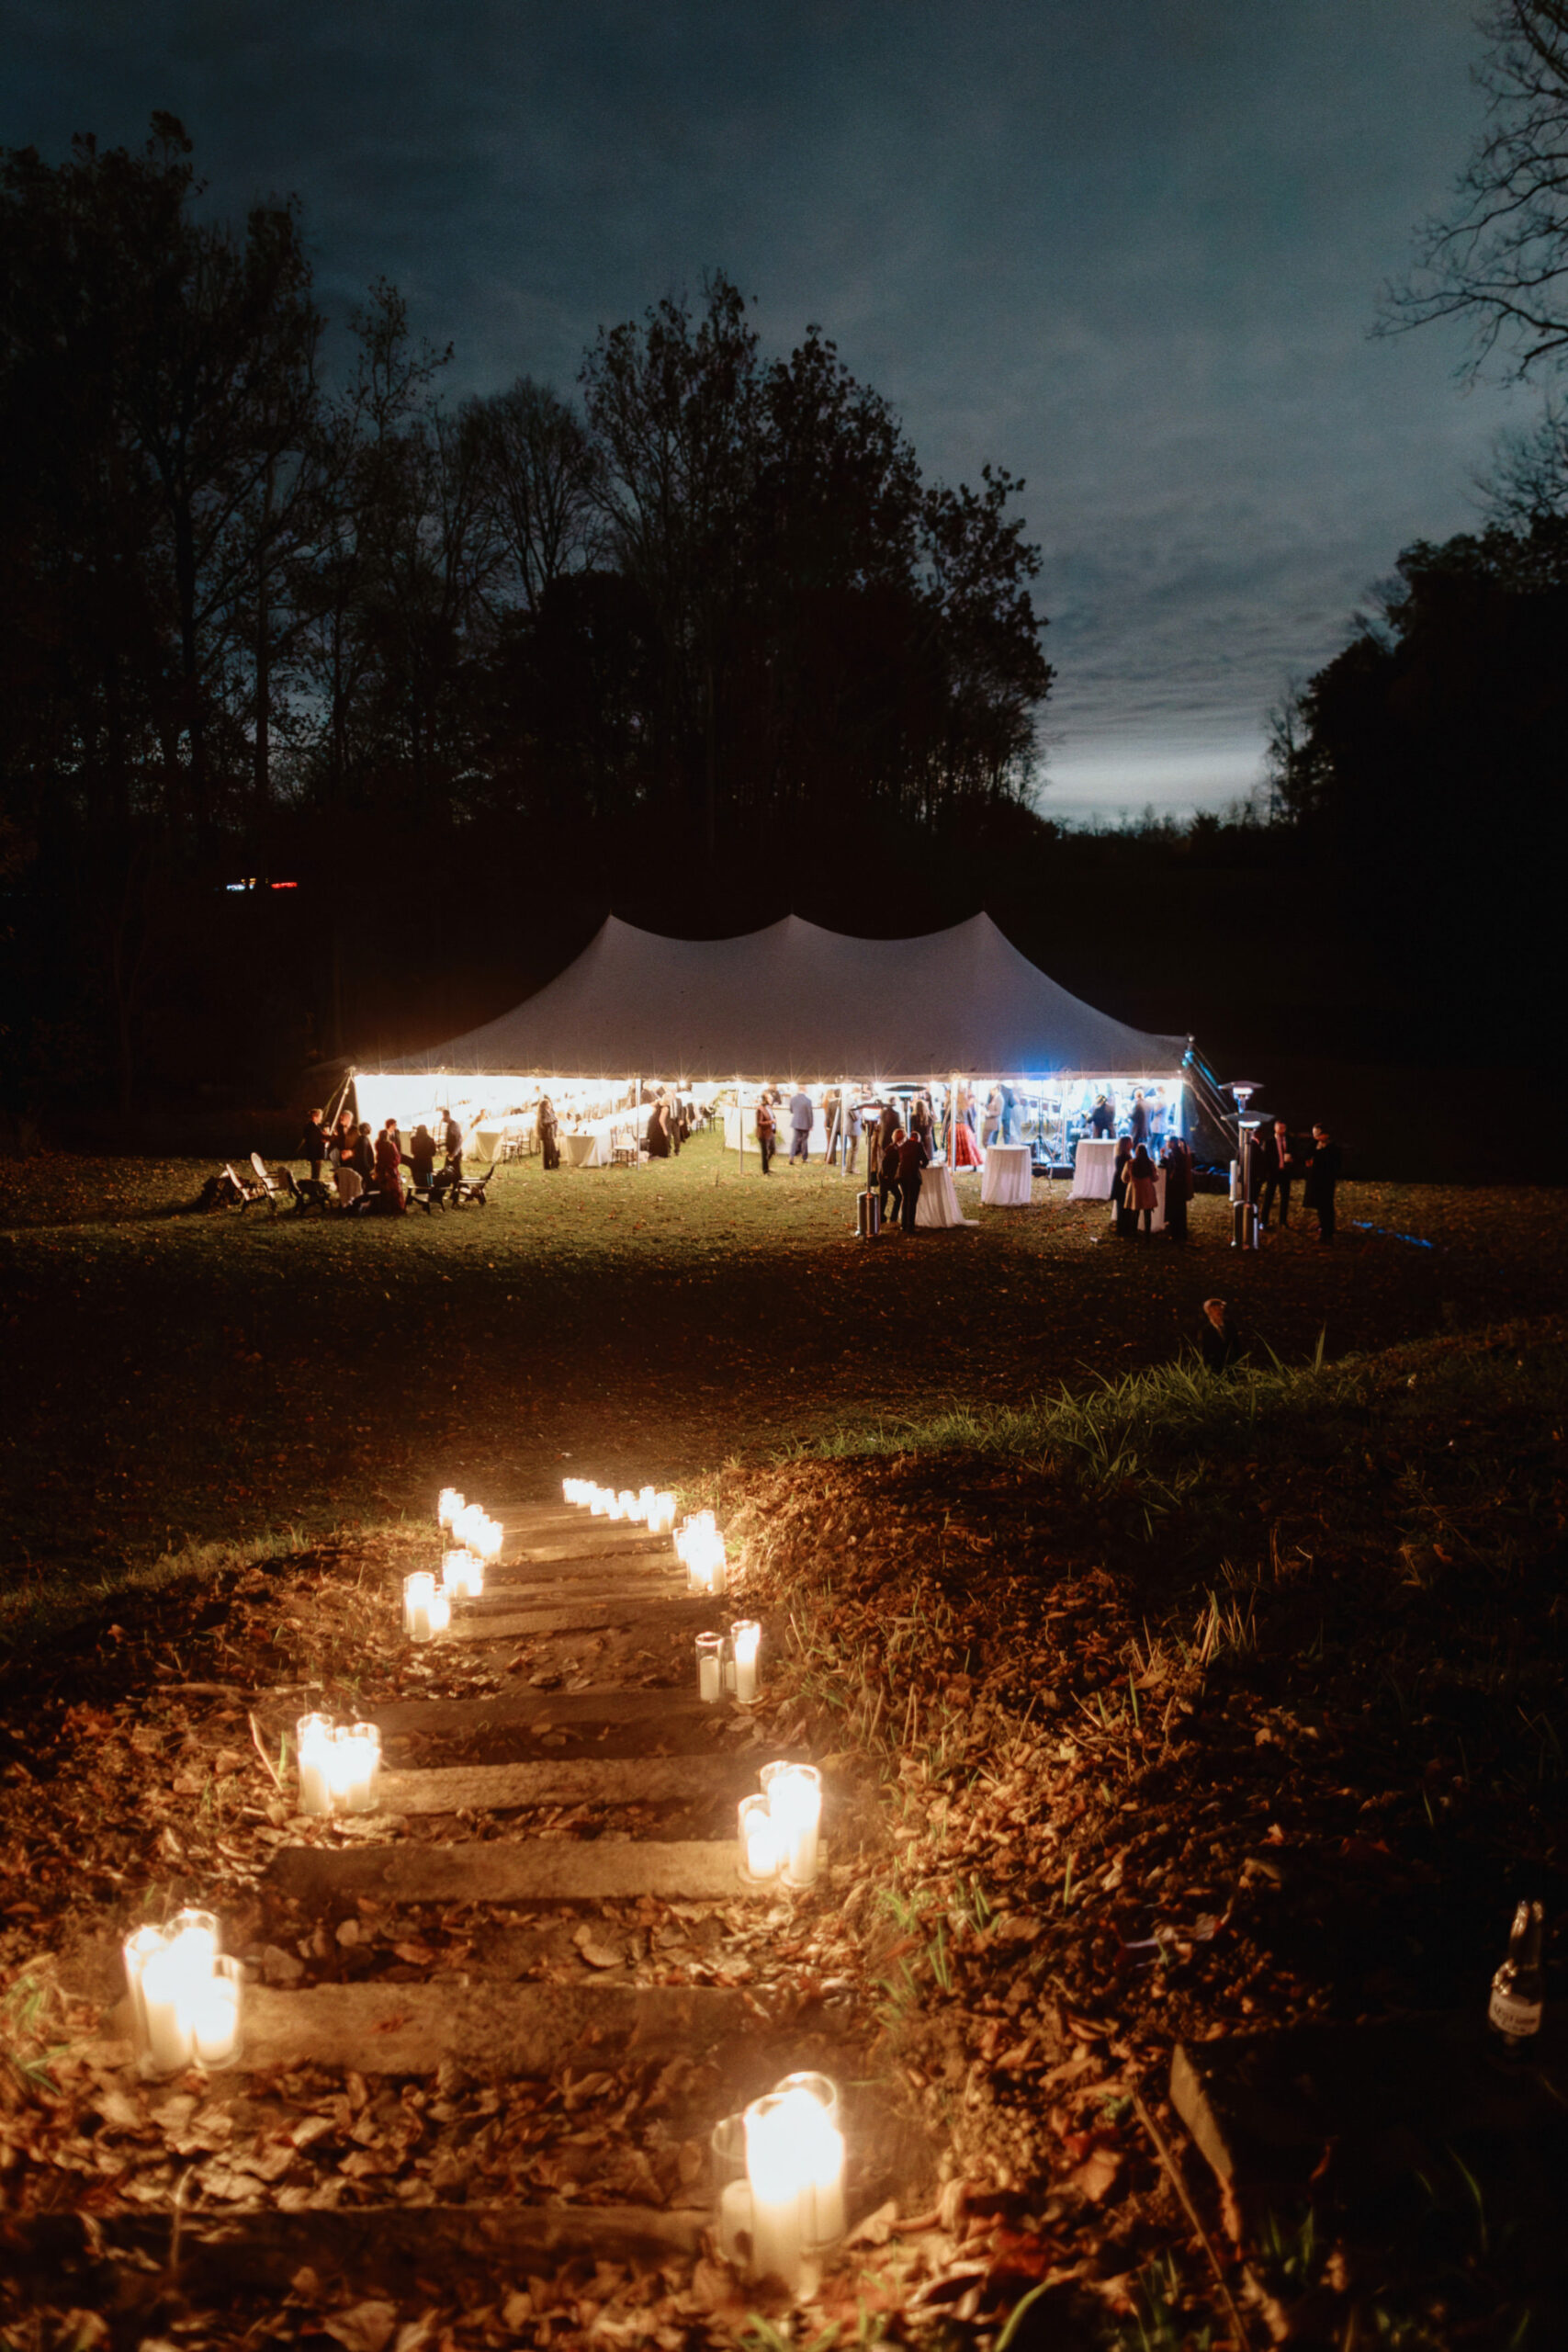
(313, 1739)
(794, 2162)
(419, 1591)
(794, 1800)
(663, 1518)
(598, 1501)
(735, 2231)
(746, 1636)
(215, 2017)
(825, 2225)
(759, 1842)
(710, 1668)
(647, 1505)
(629, 1506)
(139, 1948)
(489, 1544)
(450, 1504)
(438, 1615)
(355, 1768)
(165, 2011)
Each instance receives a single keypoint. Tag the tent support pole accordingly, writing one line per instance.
(637, 1120)
(739, 1128)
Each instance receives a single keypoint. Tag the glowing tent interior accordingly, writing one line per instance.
(792, 1002)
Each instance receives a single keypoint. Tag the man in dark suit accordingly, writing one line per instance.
(1279, 1171)
(1321, 1176)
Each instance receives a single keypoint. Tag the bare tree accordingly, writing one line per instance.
(1498, 260)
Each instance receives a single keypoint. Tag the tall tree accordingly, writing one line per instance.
(1498, 259)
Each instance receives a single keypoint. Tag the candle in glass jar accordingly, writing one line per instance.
(710, 1668)
(166, 1992)
(138, 1950)
(361, 1747)
(438, 1615)
(794, 1800)
(745, 1636)
(450, 1504)
(419, 1591)
(794, 2157)
(758, 1841)
(823, 2223)
(313, 1740)
(215, 2017)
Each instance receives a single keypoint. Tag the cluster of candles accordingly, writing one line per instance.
(476, 1538)
(647, 1508)
(699, 1547)
(729, 1662)
(779, 2174)
(185, 1997)
(779, 1831)
(339, 1765)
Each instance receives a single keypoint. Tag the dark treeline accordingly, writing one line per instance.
(699, 642)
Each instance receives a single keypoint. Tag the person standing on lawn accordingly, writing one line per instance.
(1120, 1197)
(1177, 1161)
(767, 1130)
(314, 1144)
(549, 1125)
(389, 1166)
(452, 1145)
(888, 1183)
(1323, 1163)
(1278, 1170)
(801, 1118)
(912, 1158)
(1142, 1188)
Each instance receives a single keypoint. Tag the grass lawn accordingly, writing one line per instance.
(1166, 1708)
(176, 1377)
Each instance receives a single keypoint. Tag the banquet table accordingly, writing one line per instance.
(1094, 1168)
(1006, 1184)
(938, 1201)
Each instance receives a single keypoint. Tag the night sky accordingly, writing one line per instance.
(1129, 249)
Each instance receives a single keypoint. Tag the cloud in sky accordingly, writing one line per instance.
(1130, 253)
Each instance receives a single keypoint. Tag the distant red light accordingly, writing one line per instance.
(283, 886)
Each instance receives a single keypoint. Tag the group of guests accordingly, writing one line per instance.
(1274, 1162)
(1148, 1115)
(368, 1169)
(1134, 1187)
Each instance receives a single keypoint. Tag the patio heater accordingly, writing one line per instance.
(1243, 1212)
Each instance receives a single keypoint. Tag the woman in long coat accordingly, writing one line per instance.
(1143, 1189)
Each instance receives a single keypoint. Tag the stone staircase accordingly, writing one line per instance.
(609, 1727)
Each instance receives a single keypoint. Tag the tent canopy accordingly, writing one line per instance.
(796, 1001)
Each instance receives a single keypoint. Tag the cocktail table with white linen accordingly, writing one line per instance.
(1006, 1184)
(1094, 1168)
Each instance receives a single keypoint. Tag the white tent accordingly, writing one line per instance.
(790, 1003)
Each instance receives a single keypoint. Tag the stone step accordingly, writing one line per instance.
(480, 1621)
(495, 2030)
(553, 1869)
(538, 1710)
(582, 1780)
(385, 2249)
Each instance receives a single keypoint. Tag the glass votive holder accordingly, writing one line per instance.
(450, 1504)
(760, 1847)
(313, 1762)
(355, 1768)
(419, 1591)
(139, 1949)
(794, 1800)
(745, 1643)
(217, 2015)
(732, 2191)
(710, 1668)
(439, 1615)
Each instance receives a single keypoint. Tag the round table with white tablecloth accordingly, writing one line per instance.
(1094, 1168)
(938, 1201)
(1007, 1182)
